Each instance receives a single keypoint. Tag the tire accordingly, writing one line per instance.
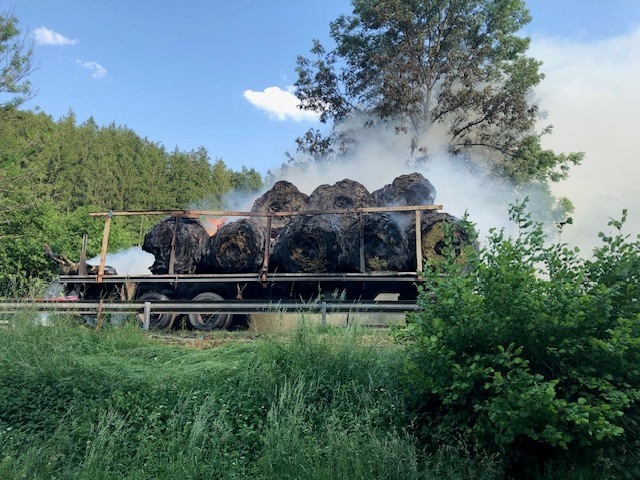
(160, 320)
(214, 321)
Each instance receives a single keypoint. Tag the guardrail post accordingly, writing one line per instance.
(146, 315)
(324, 313)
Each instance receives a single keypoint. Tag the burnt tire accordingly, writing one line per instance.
(156, 320)
(212, 321)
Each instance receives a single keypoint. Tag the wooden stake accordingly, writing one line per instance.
(82, 264)
(105, 246)
(267, 251)
(172, 255)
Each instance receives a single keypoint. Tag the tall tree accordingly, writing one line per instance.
(16, 63)
(420, 64)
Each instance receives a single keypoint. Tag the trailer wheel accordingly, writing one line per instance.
(156, 320)
(214, 321)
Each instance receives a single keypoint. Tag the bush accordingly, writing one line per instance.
(533, 353)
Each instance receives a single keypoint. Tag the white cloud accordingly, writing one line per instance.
(280, 104)
(592, 95)
(44, 36)
(98, 71)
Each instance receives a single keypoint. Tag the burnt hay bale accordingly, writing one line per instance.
(282, 197)
(384, 241)
(237, 247)
(309, 244)
(190, 241)
(411, 189)
(345, 194)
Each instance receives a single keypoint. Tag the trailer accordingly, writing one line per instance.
(265, 286)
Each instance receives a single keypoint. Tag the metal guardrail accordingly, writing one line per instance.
(208, 307)
(146, 309)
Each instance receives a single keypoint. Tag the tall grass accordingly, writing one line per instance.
(316, 403)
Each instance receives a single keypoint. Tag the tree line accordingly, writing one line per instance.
(53, 173)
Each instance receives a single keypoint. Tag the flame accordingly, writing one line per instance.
(212, 224)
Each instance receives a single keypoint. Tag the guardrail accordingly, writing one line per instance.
(146, 309)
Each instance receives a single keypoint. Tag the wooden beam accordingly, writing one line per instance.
(105, 246)
(82, 263)
(237, 213)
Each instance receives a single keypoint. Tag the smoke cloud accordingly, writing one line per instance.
(133, 261)
(592, 95)
(381, 155)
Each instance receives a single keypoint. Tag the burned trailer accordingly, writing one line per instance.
(351, 275)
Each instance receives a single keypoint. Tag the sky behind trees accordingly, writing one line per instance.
(217, 74)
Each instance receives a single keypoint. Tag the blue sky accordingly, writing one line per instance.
(214, 74)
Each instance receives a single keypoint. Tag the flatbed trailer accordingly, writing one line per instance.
(265, 286)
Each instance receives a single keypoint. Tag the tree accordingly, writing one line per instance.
(423, 64)
(16, 64)
(247, 180)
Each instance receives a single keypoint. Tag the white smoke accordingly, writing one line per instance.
(382, 155)
(592, 94)
(133, 261)
(592, 97)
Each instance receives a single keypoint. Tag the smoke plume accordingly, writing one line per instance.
(592, 95)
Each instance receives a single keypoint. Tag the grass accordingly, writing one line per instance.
(318, 402)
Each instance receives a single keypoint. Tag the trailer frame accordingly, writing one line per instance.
(262, 285)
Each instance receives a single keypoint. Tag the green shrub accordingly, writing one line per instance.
(533, 353)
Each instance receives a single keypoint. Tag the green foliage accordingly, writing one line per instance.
(248, 180)
(16, 64)
(533, 352)
(459, 65)
(52, 174)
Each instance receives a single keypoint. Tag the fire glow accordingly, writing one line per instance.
(212, 224)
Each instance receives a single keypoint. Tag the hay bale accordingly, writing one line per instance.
(345, 194)
(434, 237)
(385, 244)
(411, 189)
(282, 197)
(191, 238)
(309, 244)
(238, 247)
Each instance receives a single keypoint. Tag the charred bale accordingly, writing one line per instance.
(190, 241)
(282, 197)
(345, 194)
(411, 189)
(434, 238)
(238, 247)
(309, 244)
(384, 243)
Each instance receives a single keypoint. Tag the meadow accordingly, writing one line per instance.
(316, 402)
